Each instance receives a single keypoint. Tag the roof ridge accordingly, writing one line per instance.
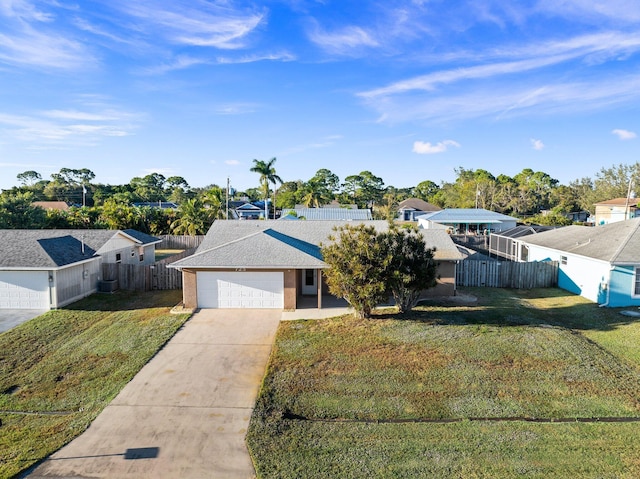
(625, 242)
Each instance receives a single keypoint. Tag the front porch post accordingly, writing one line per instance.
(319, 281)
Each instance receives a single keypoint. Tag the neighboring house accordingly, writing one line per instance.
(47, 269)
(509, 244)
(617, 209)
(247, 211)
(332, 214)
(164, 205)
(467, 221)
(333, 204)
(600, 263)
(411, 208)
(52, 205)
(273, 264)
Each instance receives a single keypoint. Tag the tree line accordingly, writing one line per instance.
(532, 196)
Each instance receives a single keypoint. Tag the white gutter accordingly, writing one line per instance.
(606, 303)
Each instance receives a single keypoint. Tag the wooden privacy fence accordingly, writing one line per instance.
(179, 242)
(507, 274)
(134, 277)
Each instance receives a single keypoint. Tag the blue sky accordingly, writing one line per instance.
(407, 89)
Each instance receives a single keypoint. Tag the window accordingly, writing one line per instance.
(141, 258)
(118, 258)
(308, 277)
(563, 260)
(636, 288)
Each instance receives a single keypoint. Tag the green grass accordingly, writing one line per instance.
(365, 389)
(166, 253)
(67, 365)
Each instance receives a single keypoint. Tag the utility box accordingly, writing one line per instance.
(108, 285)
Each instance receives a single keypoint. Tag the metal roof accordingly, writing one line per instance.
(466, 215)
(329, 214)
(523, 230)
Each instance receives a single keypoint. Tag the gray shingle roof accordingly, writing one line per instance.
(284, 244)
(417, 204)
(617, 243)
(55, 248)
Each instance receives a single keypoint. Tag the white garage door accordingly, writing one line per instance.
(231, 289)
(24, 290)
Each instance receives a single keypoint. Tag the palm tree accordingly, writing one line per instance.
(193, 219)
(214, 200)
(267, 173)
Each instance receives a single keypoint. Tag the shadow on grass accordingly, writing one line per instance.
(517, 307)
(127, 301)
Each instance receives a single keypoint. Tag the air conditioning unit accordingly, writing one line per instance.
(108, 285)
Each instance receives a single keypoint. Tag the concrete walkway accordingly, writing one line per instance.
(186, 413)
(10, 318)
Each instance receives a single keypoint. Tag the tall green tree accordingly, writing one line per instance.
(193, 219)
(177, 189)
(29, 178)
(290, 194)
(410, 268)
(357, 267)
(388, 207)
(119, 215)
(426, 190)
(18, 212)
(613, 182)
(267, 173)
(215, 199)
(320, 189)
(364, 189)
(149, 188)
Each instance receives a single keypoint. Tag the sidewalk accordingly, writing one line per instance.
(186, 413)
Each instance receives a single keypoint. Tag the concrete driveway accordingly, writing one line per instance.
(186, 413)
(10, 318)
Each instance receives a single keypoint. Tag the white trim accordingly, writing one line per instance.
(635, 284)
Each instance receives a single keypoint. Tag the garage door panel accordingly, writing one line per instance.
(24, 290)
(230, 289)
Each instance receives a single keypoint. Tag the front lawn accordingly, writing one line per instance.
(453, 391)
(58, 371)
(161, 254)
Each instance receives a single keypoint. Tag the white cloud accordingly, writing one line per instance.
(506, 99)
(426, 148)
(537, 144)
(282, 57)
(619, 10)
(39, 49)
(232, 162)
(68, 128)
(624, 134)
(344, 41)
(543, 55)
(236, 108)
(203, 24)
(179, 63)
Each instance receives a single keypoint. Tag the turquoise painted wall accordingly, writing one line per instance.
(620, 287)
